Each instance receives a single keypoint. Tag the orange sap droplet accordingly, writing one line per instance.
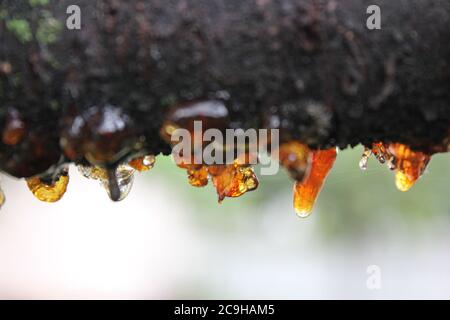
(232, 180)
(306, 192)
(409, 165)
(143, 164)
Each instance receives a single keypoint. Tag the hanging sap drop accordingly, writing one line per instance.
(232, 180)
(48, 192)
(306, 192)
(403, 182)
(410, 165)
(365, 158)
(2, 198)
(117, 182)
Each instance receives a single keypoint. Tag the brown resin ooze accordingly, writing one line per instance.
(48, 192)
(232, 180)
(410, 165)
(31, 157)
(212, 114)
(27, 148)
(295, 157)
(306, 192)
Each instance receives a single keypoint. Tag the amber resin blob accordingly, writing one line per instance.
(49, 191)
(105, 143)
(409, 165)
(230, 180)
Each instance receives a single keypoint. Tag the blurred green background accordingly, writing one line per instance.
(352, 203)
(171, 240)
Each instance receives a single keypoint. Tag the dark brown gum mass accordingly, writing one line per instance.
(27, 148)
(211, 113)
(14, 129)
(103, 135)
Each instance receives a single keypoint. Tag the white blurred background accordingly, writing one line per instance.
(170, 240)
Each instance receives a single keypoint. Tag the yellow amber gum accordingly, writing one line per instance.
(48, 193)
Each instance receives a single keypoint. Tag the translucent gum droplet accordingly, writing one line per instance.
(123, 177)
(95, 173)
(306, 192)
(365, 158)
(381, 153)
(48, 192)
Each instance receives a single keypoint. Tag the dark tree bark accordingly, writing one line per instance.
(309, 67)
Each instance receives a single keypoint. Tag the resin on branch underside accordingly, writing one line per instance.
(108, 96)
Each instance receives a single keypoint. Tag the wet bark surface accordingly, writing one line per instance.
(308, 67)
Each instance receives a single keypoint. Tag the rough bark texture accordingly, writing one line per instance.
(309, 67)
